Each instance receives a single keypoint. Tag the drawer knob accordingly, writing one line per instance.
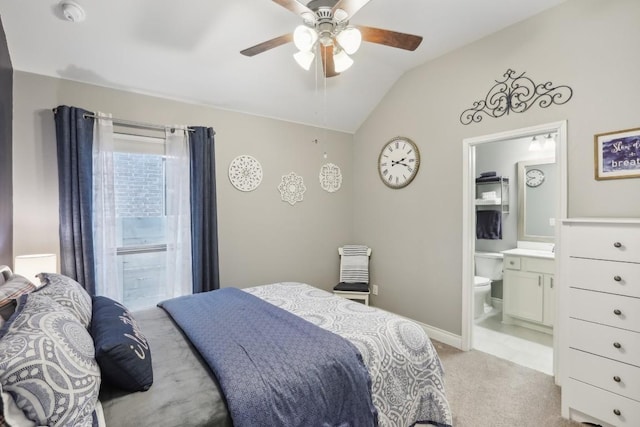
(617, 312)
(617, 412)
(617, 278)
(616, 379)
(617, 244)
(617, 345)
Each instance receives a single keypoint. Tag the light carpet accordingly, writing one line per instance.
(485, 391)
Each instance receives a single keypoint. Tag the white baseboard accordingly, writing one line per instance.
(497, 303)
(438, 334)
(442, 335)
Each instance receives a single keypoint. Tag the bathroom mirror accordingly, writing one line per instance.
(537, 183)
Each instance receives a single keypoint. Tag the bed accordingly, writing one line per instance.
(403, 372)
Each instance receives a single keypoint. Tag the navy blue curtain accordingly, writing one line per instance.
(74, 136)
(204, 222)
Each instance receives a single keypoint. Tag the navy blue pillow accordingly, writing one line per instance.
(122, 351)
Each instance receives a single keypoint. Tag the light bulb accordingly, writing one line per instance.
(304, 59)
(304, 37)
(535, 145)
(350, 39)
(341, 61)
(549, 143)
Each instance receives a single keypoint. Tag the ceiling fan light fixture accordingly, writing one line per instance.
(340, 15)
(304, 58)
(350, 39)
(341, 61)
(304, 37)
(308, 18)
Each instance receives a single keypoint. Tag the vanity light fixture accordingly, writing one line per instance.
(535, 144)
(549, 143)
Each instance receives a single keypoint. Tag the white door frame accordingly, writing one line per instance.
(468, 212)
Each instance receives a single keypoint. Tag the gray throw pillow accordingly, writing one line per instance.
(68, 293)
(47, 363)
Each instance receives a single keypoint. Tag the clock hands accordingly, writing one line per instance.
(399, 162)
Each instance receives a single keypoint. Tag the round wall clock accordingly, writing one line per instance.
(245, 173)
(535, 177)
(398, 162)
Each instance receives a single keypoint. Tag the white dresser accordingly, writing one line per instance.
(600, 321)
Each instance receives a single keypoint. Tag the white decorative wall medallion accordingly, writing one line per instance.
(245, 173)
(292, 188)
(330, 177)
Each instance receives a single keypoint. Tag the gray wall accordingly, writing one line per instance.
(262, 239)
(6, 180)
(416, 232)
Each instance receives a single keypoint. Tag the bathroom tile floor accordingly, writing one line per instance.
(520, 345)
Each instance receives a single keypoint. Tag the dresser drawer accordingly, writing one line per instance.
(602, 308)
(607, 276)
(612, 242)
(610, 375)
(602, 404)
(600, 339)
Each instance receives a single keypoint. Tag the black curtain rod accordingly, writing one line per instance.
(131, 123)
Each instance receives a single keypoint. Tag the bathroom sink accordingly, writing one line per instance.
(530, 252)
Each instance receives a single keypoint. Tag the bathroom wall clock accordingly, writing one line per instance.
(398, 162)
(535, 177)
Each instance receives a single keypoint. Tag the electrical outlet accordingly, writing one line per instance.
(374, 289)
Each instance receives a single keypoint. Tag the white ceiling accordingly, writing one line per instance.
(189, 50)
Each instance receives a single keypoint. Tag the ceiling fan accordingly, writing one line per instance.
(326, 26)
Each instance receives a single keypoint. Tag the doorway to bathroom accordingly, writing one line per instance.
(514, 189)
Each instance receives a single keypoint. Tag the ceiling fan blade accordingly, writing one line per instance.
(328, 65)
(390, 38)
(269, 44)
(350, 6)
(294, 6)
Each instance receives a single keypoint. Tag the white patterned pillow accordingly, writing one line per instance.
(68, 293)
(47, 363)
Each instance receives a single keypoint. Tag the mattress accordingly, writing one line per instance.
(406, 373)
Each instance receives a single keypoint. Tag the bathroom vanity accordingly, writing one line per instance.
(529, 289)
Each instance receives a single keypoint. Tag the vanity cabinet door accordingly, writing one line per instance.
(549, 303)
(523, 295)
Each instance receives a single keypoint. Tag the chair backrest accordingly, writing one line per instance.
(354, 263)
(5, 274)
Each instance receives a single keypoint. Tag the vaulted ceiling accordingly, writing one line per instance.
(190, 50)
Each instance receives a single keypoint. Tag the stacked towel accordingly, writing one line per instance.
(354, 264)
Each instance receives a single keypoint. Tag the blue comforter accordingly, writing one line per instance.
(274, 368)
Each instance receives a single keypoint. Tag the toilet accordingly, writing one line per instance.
(488, 268)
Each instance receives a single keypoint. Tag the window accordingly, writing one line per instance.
(140, 204)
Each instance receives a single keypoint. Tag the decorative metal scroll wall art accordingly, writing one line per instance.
(515, 94)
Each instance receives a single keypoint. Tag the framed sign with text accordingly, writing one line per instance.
(617, 154)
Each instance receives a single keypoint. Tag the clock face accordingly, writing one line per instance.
(535, 177)
(398, 162)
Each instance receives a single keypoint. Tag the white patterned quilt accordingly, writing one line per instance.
(406, 373)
